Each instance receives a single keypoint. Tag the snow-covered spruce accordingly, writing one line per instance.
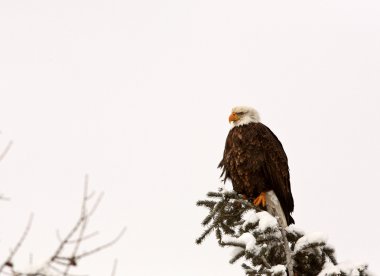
(256, 238)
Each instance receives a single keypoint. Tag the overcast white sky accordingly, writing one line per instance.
(137, 94)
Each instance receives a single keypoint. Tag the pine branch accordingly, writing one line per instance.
(263, 241)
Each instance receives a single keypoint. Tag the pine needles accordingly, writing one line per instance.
(263, 245)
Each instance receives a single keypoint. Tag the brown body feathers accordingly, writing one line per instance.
(255, 161)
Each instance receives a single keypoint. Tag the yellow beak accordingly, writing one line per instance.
(233, 117)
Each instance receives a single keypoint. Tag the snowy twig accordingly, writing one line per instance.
(289, 260)
(265, 262)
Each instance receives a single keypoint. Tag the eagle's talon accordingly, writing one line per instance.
(261, 199)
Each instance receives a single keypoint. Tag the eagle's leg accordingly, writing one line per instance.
(260, 200)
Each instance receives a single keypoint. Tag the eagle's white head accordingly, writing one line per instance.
(242, 115)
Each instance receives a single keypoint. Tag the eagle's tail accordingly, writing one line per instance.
(289, 219)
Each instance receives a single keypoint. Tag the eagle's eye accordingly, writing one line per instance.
(239, 113)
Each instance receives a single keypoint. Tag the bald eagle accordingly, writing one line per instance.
(255, 161)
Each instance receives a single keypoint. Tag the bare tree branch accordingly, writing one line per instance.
(2, 197)
(60, 262)
(2, 155)
(8, 262)
(113, 273)
(104, 246)
(6, 150)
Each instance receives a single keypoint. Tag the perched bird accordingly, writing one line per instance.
(255, 161)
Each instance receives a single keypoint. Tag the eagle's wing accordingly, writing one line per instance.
(225, 174)
(276, 169)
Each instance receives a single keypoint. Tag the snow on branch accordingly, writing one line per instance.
(266, 246)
